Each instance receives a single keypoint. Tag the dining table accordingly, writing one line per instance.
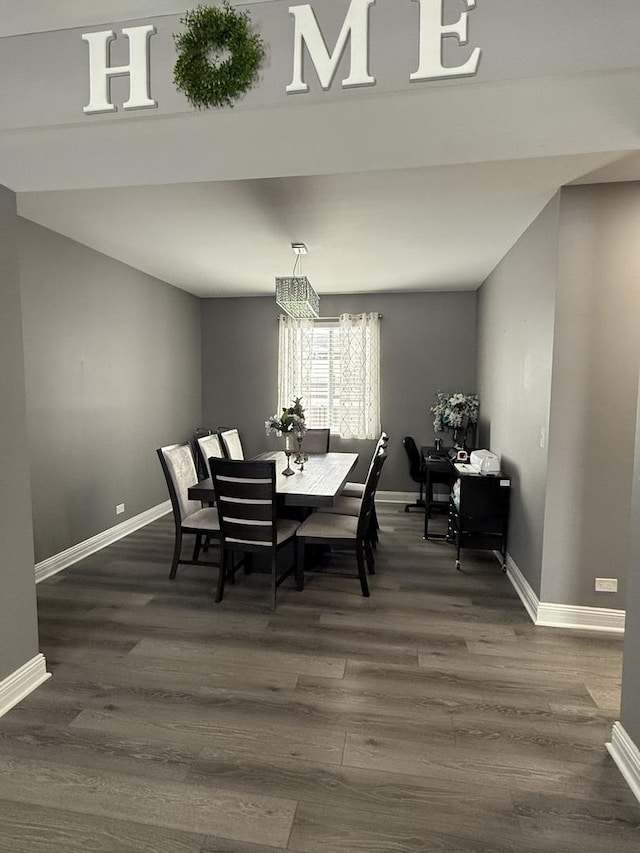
(315, 484)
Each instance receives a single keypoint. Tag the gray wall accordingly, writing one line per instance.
(531, 41)
(112, 364)
(428, 341)
(515, 339)
(559, 347)
(630, 713)
(18, 618)
(594, 391)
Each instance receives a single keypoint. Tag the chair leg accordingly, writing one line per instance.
(274, 573)
(373, 530)
(368, 551)
(361, 570)
(221, 575)
(299, 564)
(177, 548)
(197, 547)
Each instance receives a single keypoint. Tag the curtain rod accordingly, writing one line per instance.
(332, 319)
(380, 316)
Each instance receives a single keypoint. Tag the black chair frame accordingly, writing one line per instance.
(416, 471)
(228, 475)
(362, 544)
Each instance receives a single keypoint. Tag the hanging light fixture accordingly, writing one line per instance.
(294, 293)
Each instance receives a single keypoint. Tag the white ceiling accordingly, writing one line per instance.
(440, 228)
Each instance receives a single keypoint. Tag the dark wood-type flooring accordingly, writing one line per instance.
(431, 717)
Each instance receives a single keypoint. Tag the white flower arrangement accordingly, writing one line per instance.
(291, 420)
(452, 411)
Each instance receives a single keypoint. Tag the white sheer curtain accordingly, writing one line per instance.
(294, 360)
(360, 376)
(338, 378)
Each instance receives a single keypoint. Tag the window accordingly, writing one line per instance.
(335, 367)
(322, 403)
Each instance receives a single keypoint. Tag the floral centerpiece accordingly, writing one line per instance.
(291, 420)
(290, 424)
(456, 412)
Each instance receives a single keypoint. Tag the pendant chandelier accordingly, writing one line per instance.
(294, 293)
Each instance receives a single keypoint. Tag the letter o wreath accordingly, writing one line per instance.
(205, 81)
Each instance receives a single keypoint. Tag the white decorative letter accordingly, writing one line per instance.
(432, 31)
(100, 72)
(307, 30)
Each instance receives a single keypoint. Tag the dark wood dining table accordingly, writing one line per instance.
(322, 479)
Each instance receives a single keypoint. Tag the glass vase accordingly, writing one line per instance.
(288, 450)
(301, 456)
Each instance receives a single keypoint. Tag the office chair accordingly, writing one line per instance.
(416, 471)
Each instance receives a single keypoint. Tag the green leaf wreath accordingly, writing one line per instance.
(205, 80)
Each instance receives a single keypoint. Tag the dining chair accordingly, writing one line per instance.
(231, 444)
(344, 531)
(209, 446)
(356, 490)
(316, 441)
(201, 466)
(346, 505)
(189, 516)
(246, 500)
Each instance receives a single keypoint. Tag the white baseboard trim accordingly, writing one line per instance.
(549, 615)
(524, 589)
(626, 756)
(580, 618)
(58, 562)
(23, 681)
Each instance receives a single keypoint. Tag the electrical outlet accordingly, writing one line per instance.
(606, 584)
(119, 509)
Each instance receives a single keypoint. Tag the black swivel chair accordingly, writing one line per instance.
(416, 471)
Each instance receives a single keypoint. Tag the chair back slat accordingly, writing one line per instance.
(246, 510)
(180, 473)
(249, 488)
(245, 495)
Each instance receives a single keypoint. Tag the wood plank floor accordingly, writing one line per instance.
(431, 717)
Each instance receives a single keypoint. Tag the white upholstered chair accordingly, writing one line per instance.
(231, 444)
(189, 516)
(209, 446)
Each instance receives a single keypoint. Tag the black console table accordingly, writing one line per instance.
(479, 513)
(478, 510)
